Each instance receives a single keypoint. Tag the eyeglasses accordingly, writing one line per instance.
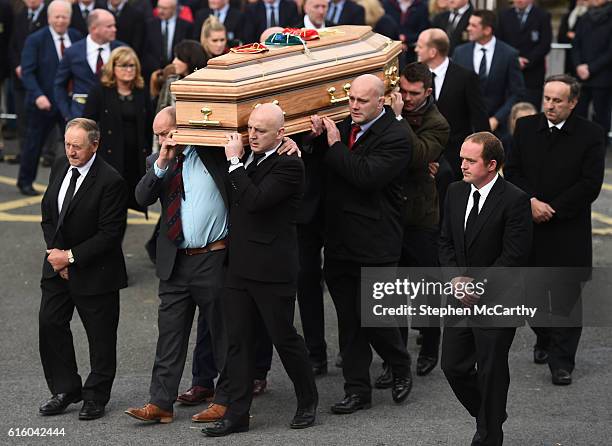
(127, 66)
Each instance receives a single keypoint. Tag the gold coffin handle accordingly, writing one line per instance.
(205, 122)
(331, 91)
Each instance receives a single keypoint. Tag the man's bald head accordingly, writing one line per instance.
(164, 123)
(266, 127)
(432, 47)
(366, 98)
(101, 26)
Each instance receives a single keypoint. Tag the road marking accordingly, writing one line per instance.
(606, 186)
(601, 218)
(21, 203)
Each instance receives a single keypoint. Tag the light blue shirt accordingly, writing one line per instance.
(203, 213)
(170, 34)
(367, 125)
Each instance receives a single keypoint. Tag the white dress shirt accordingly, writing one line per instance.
(455, 18)
(170, 34)
(57, 43)
(83, 170)
(92, 53)
(273, 8)
(484, 193)
(490, 47)
(559, 126)
(89, 8)
(440, 72)
(309, 25)
(222, 13)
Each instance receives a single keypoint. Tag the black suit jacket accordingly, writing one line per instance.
(459, 34)
(263, 235)
(257, 21)
(151, 188)
(152, 58)
(21, 31)
(364, 193)
(131, 27)
(565, 171)
(234, 24)
(501, 238)
(462, 104)
(93, 228)
(532, 41)
(352, 14)
(6, 27)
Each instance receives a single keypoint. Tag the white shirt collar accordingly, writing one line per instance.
(463, 9)
(484, 190)
(440, 70)
(93, 46)
(89, 7)
(83, 170)
(56, 36)
(309, 25)
(36, 11)
(223, 11)
(119, 7)
(489, 46)
(559, 126)
(527, 9)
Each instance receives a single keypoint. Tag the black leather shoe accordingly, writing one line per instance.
(351, 403)
(561, 377)
(339, 362)
(304, 417)
(319, 367)
(225, 427)
(540, 356)
(91, 410)
(29, 191)
(402, 385)
(385, 380)
(58, 403)
(425, 364)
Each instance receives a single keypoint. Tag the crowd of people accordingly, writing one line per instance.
(477, 160)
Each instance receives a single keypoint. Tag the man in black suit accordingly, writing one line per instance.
(497, 66)
(84, 214)
(191, 185)
(6, 27)
(162, 33)
(129, 22)
(558, 158)
(314, 15)
(266, 190)
(345, 12)
(527, 28)
(268, 13)
(457, 93)
(364, 157)
(487, 223)
(232, 19)
(80, 12)
(454, 22)
(30, 19)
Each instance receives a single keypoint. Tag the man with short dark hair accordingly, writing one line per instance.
(486, 224)
(84, 215)
(496, 64)
(558, 158)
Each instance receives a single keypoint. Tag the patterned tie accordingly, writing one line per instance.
(99, 63)
(482, 70)
(471, 221)
(355, 129)
(175, 195)
(68, 197)
(62, 47)
(251, 168)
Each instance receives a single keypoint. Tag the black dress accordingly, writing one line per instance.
(131, 166)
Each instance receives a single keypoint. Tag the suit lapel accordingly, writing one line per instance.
(489, 206)
(85, 185)
(264, 167)
(51, 48)
(458, 223)
(54, 188)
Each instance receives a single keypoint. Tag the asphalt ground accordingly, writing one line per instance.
(539, 413)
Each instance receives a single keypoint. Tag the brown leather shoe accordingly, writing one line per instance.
(196, 395)
(259, 386)
(214, 412)
(150, 412)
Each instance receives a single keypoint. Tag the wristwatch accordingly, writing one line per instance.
(70, 256)
(234, 160)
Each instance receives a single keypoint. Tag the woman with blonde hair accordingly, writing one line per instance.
(121, 107)
(213, 37)
(518, 111)
(376, 17)
(436, 7)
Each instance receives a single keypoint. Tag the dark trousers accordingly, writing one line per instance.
(344, 280)
(310, 289)
(475, 363)
(243, 300)
(195, 281)
(203, 367)
(558, 327)
(100, 317)
(420, 249)
(602, 104)
(41, 123)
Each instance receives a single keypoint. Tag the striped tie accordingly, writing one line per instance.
(176, 194)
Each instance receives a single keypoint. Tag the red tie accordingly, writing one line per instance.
(62, 47)
(99, 62)
(355, 129)
(175, 195)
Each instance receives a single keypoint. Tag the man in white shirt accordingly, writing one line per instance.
(314, 15)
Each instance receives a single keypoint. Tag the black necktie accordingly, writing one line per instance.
(165, 46)
(471, 221)
(85, 14)
(453, 19)
(520, 14)
(332, 13)
(273, 16)
(433, 85)
(30, 20)
(68, 196)
(482, 70)
(250, 170)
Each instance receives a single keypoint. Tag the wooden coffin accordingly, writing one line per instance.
(219, 98)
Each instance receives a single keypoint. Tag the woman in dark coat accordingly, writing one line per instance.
(121, 107)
